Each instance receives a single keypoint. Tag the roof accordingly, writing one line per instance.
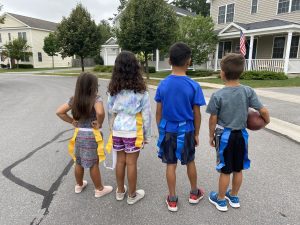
(265, 24)
(181, 11)
(35, 23)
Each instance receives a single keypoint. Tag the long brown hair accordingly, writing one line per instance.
(85, 95)
(127, 75)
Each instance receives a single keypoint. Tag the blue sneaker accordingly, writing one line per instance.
(221, 205)
(234, 201)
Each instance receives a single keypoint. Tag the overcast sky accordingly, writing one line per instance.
(54, 10)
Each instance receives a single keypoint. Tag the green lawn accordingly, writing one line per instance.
(291, 82)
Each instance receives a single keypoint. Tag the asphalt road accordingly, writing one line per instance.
(37, 181)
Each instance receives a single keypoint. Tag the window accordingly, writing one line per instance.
(230, 13)
(221, 17)
(226, 14)
(254, 6)
(294, 47)
(25, 58)
(40, 57)
(278, 47)
(22, 35)
(224, 48)
(295, 5)
(9, 37)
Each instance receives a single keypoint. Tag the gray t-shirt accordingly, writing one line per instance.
(231, 105)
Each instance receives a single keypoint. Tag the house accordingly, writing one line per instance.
(111, 49)
(34, 31)
(272, 29)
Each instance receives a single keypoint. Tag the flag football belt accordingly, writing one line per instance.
(181, 130)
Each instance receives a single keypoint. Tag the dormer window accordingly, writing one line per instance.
(287, 6)
(254, 6)
(226, 14)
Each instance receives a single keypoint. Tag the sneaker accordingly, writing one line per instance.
(172, 205)
(120, 196)
(221, 205)
(106, 190)
(78, 188)
(194, 199)
(139, 194)
(234, 201)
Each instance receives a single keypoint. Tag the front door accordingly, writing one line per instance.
(254, 49)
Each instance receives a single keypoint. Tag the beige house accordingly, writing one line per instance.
(272, 29)
(34, 31)
(111, 49)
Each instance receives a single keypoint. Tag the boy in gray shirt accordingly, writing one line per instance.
(227, 129)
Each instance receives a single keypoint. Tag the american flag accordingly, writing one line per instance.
(243, 44)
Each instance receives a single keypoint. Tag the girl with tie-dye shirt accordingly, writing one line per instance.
(129, 115)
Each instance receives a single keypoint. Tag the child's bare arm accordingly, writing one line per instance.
(62, 113)
(264, 112)
(158, 113)
(212, 127)
(100, 115)
(197, 123)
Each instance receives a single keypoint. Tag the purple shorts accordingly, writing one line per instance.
(125, 144)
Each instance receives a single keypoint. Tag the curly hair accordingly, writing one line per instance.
(127, 75)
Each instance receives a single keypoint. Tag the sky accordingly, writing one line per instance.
(54, 10)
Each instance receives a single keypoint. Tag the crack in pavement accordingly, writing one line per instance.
(48, 195)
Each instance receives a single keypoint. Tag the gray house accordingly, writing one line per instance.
(272, 29)
(111, 49)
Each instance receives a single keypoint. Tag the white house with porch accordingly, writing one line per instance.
(272, 29)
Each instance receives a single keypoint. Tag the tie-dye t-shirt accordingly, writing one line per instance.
(125, 106)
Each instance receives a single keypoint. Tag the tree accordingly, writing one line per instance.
(122, 5)
(200, 7)
(51, 46)
(105, 30)
(2, 18)
(78, 34)
(17, 49)
(198, 33)
(147, 25)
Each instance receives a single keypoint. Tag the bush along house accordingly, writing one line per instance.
(271, 29)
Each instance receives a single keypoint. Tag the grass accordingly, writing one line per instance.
(27, 70)
(291, 82)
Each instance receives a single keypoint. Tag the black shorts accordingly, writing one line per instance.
(169, 146)
(234, 153)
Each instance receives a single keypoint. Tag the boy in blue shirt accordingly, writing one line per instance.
(178, 117)
(227, 128)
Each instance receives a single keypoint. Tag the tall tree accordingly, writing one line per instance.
(78, 34)
(198, 33)
(105, 30)
(196, 6)
(2, 18)
(51, 46)
(122, 5)
(146, 25)
(17, 49)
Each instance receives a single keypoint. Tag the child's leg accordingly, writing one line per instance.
(96, 177)
(79, 172)
(120, 170)
(223, 185)
(236, 183)
(192, 174)
(131, 163)
(171, 178)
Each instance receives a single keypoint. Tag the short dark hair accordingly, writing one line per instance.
(180, 53)
(233, 66)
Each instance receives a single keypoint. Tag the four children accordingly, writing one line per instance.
(178, 118)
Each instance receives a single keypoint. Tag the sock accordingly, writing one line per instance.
(195, 192)
(173, 198)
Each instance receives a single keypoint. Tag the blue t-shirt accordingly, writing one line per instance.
(178, 95)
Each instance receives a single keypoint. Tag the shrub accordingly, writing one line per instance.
(103, 69)
(263, 75)
(152, 69)
(99, 60)
(200, 73)
(23, 66)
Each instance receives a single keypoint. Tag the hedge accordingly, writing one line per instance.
(23, 66)
(151, 69)
(200, 73)
(103, 69)
(263, 75)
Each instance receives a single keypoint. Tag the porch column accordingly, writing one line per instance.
(287, 52)
(157, 60)
(250, 52)
(216, 57)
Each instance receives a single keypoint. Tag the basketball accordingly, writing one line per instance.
(255, 121)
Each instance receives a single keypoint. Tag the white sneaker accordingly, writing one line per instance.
(139, 194)
(106, 190)
(78, 188)
(120, 196)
